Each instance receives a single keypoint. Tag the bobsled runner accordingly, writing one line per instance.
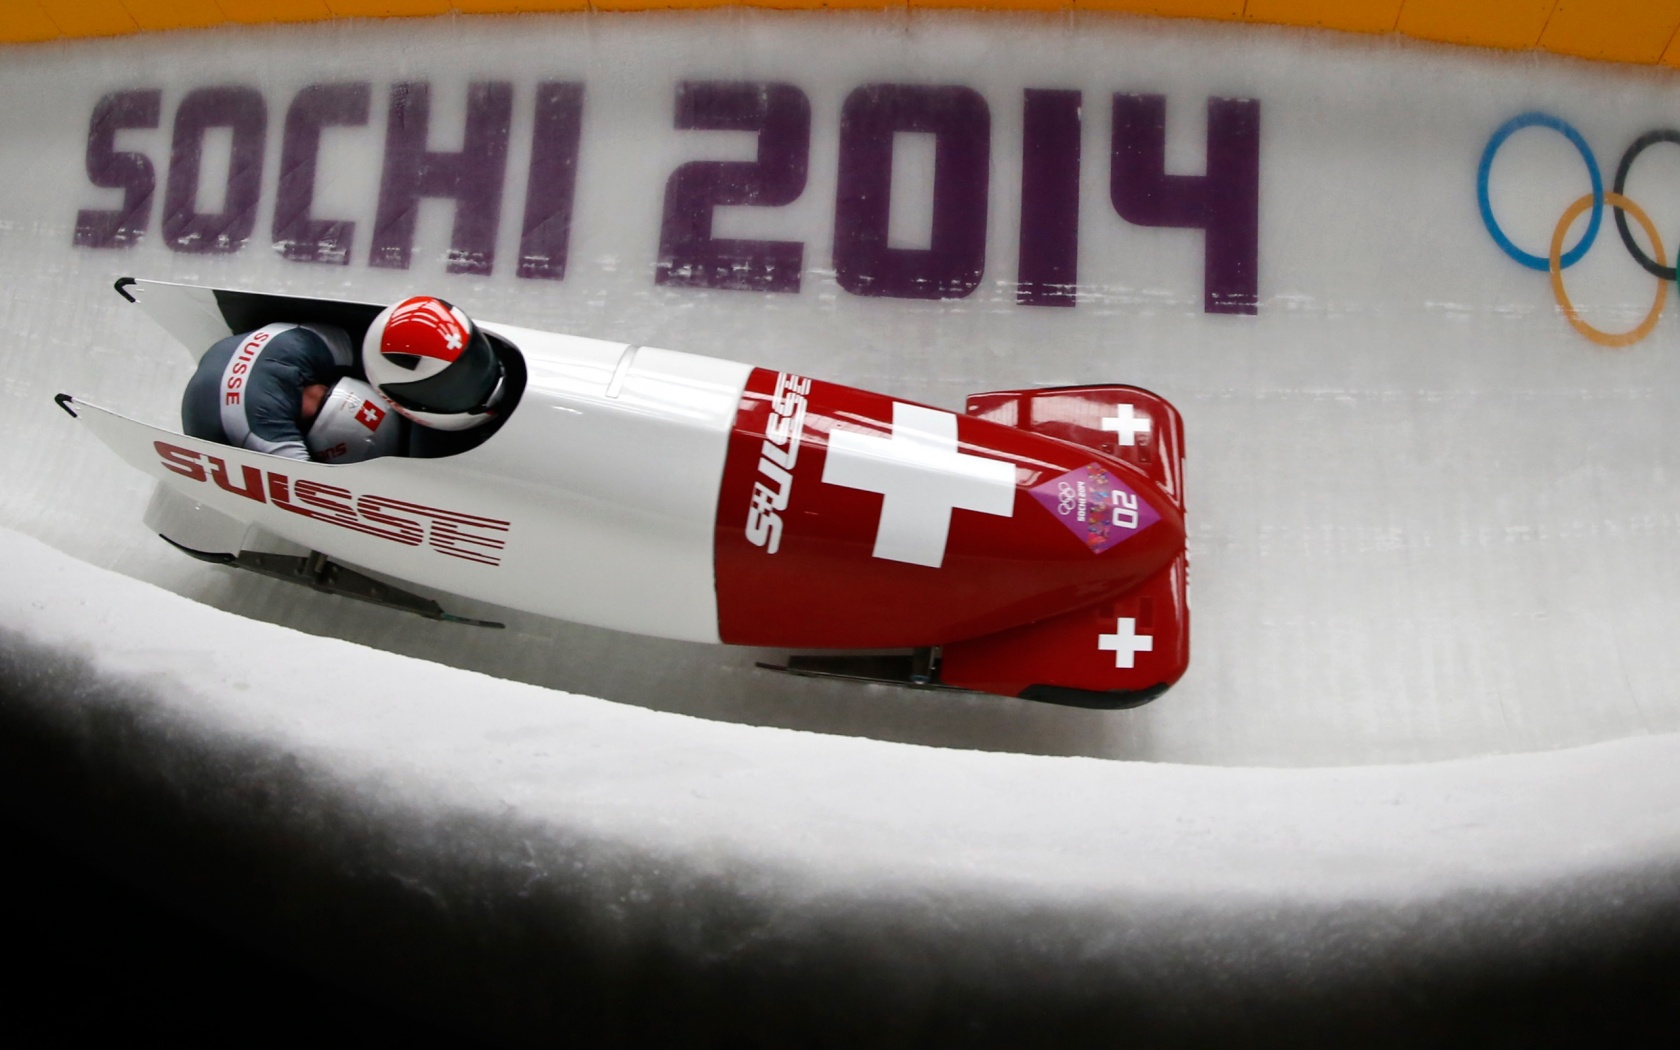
(1032, 546)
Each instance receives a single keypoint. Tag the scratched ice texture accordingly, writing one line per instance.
(527, 862)
(1432, 700)
(1428, 519)
(830, 811)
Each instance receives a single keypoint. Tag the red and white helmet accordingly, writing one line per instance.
(433, 363)
(355, 423)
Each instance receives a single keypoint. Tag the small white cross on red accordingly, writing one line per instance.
(1127, 423)
(1125, 643)
(369, 415)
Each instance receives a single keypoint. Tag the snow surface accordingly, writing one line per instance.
(808, 886)
(877, 817)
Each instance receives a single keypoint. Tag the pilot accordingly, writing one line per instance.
(434, 365)
(283, 390)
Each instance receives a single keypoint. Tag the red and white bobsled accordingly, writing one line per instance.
(1031, 547)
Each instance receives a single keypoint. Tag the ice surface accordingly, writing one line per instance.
(812, 810)
(557, 863)
(1427, 518)
(1433, 529)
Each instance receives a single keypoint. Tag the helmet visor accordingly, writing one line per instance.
(465, 386)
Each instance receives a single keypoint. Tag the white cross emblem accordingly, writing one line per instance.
(922, 478)
(452, 340)
(1127, 423)
(1125, 643)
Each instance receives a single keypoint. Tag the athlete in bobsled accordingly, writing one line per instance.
(289, 389)
(1029, 545)
(434, 365)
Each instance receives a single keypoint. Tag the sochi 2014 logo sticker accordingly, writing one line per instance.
(1558, 258)
(1096, 507)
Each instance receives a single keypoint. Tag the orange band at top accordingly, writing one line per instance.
(1634, 31)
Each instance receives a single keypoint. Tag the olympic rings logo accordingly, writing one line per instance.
(1065, 499)
(1557, 260)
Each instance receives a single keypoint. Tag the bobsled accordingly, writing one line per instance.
(1031, 546)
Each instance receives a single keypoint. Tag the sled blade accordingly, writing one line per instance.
(320, 573)
(917, 669)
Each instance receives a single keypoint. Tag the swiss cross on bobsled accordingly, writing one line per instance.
(1032, 546)
(1043, 559)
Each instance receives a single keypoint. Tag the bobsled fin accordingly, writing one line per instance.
(1129, 423)
(187, 313)
(197, 317)
(1118, 653)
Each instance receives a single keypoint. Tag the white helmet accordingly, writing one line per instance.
(355, 423)
(433, 364)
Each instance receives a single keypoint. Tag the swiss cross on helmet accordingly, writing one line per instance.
(433, 364)
(354, 424)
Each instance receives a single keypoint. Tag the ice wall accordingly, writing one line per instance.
(1431, 518)
(525, 864)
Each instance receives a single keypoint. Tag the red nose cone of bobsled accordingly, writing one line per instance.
(851, 520)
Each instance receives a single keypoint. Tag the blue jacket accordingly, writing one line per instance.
(248, 390)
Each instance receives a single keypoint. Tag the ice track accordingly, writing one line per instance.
(1431, 726)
